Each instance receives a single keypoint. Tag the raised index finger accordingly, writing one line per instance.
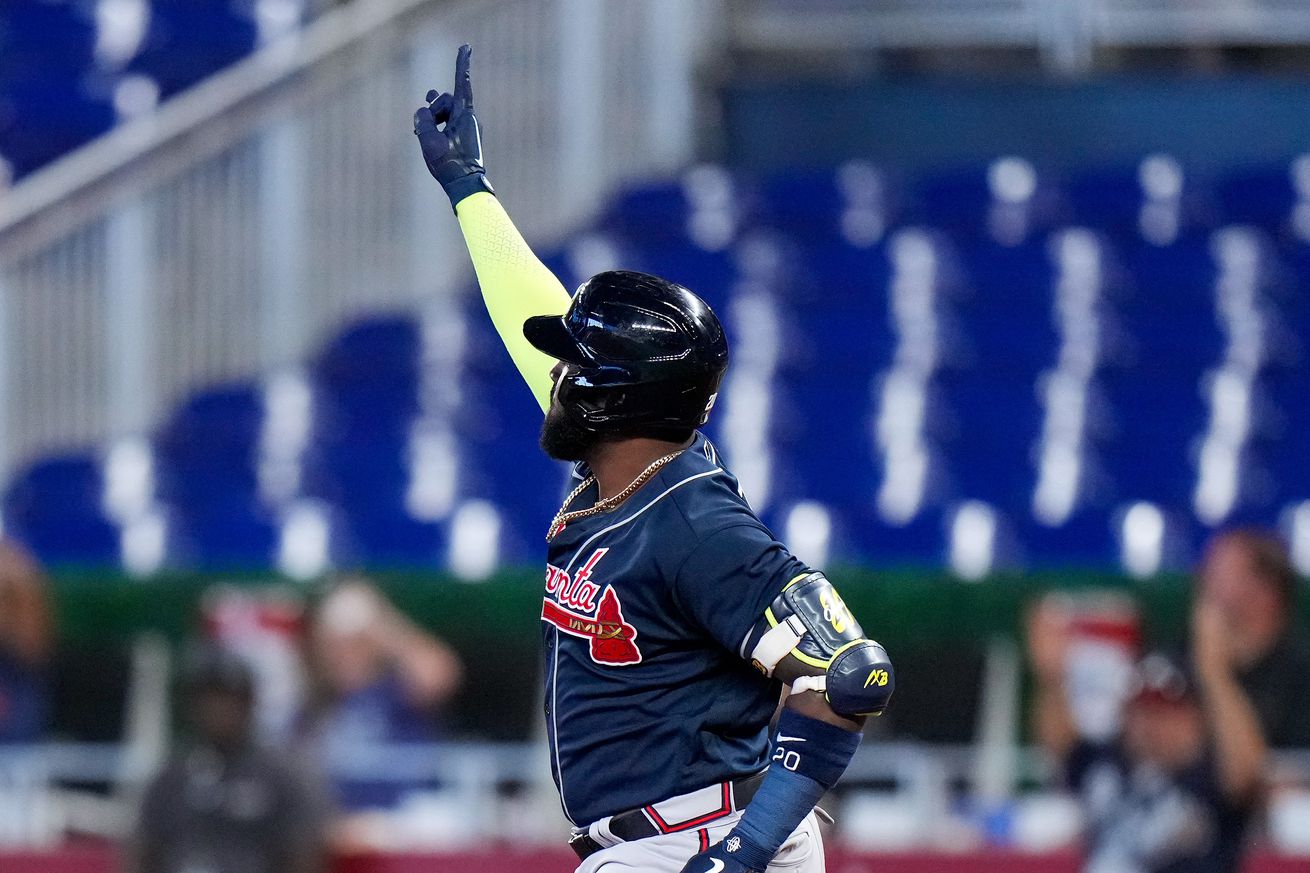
(463, 92)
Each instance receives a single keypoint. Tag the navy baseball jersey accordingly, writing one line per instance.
(647, 609)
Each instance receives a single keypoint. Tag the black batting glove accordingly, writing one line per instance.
(450, 137)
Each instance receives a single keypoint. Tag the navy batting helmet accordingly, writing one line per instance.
(645, 355)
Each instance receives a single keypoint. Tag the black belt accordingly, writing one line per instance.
(637, 824)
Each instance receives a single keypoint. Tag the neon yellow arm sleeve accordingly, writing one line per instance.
(515, 285)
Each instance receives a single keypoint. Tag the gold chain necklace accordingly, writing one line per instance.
(563, 517)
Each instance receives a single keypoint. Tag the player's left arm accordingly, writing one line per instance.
(808, 639)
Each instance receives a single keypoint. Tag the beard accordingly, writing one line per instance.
(563, 439)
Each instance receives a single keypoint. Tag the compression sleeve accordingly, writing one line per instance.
(515, 285)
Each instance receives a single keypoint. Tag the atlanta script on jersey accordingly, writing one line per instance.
(570, 604)
(645, 611)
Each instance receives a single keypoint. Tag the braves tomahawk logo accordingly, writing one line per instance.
(571, 605)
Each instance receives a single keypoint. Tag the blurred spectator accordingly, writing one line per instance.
(1174, 787)
(26, 637)
(223, 803)
(1248, 579)
(379, 681)
(265, 627)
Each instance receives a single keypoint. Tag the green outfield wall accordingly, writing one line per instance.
(937, 629)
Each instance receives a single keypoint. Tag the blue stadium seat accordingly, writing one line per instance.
(1110, 199)
(995, 422)
(367, 381)
(858, 535)
(957, 199)
(789, 263)
(856, 202)
(358, 468)
(209, 446)
(42, 119)
(46, 38)
(1008, 200)
(382, 535)
(385, 345)
(1155, 422)
(709, 274)
(706, 207)
(822, 274)
(227, 532)
(1262, 195)
(54, 507)
(823, 438)
(823, 394)
(1086, 539)
(922, 542)
(1006, 315)
(1169, 314)
(1289, 392)
(187, 42)
(207, 476)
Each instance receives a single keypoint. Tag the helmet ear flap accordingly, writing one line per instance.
(652, 409)
(580, 401)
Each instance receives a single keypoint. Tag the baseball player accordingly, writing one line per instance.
(671, 618)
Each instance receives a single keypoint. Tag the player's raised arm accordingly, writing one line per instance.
(515, 284)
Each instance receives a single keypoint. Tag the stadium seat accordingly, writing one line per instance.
(1168, 315)
(825, 320)
(188, 41)
(1086, 539)
(45, 38)
(1112, 200)
(1265, 196)
(53, 506)
(1007, 200)
(856, 203)
(1005, 316)
(709, 274)
(921, 542)
(42, 119)
(227, 532)
(379, 358)
(705, 208)
(382, 535)
(61, 60)
(823, 406)
(1289, 393)
(209, 447)
(358, 467)
(990, 435)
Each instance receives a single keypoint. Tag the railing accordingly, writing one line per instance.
(1065, 32)
(894, 796)
(499, 790)
(225, 233)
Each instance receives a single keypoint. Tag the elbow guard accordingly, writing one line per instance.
(860, 680)
(809, 621)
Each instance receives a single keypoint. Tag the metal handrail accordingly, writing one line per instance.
(1064, 31)
(134, 154)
